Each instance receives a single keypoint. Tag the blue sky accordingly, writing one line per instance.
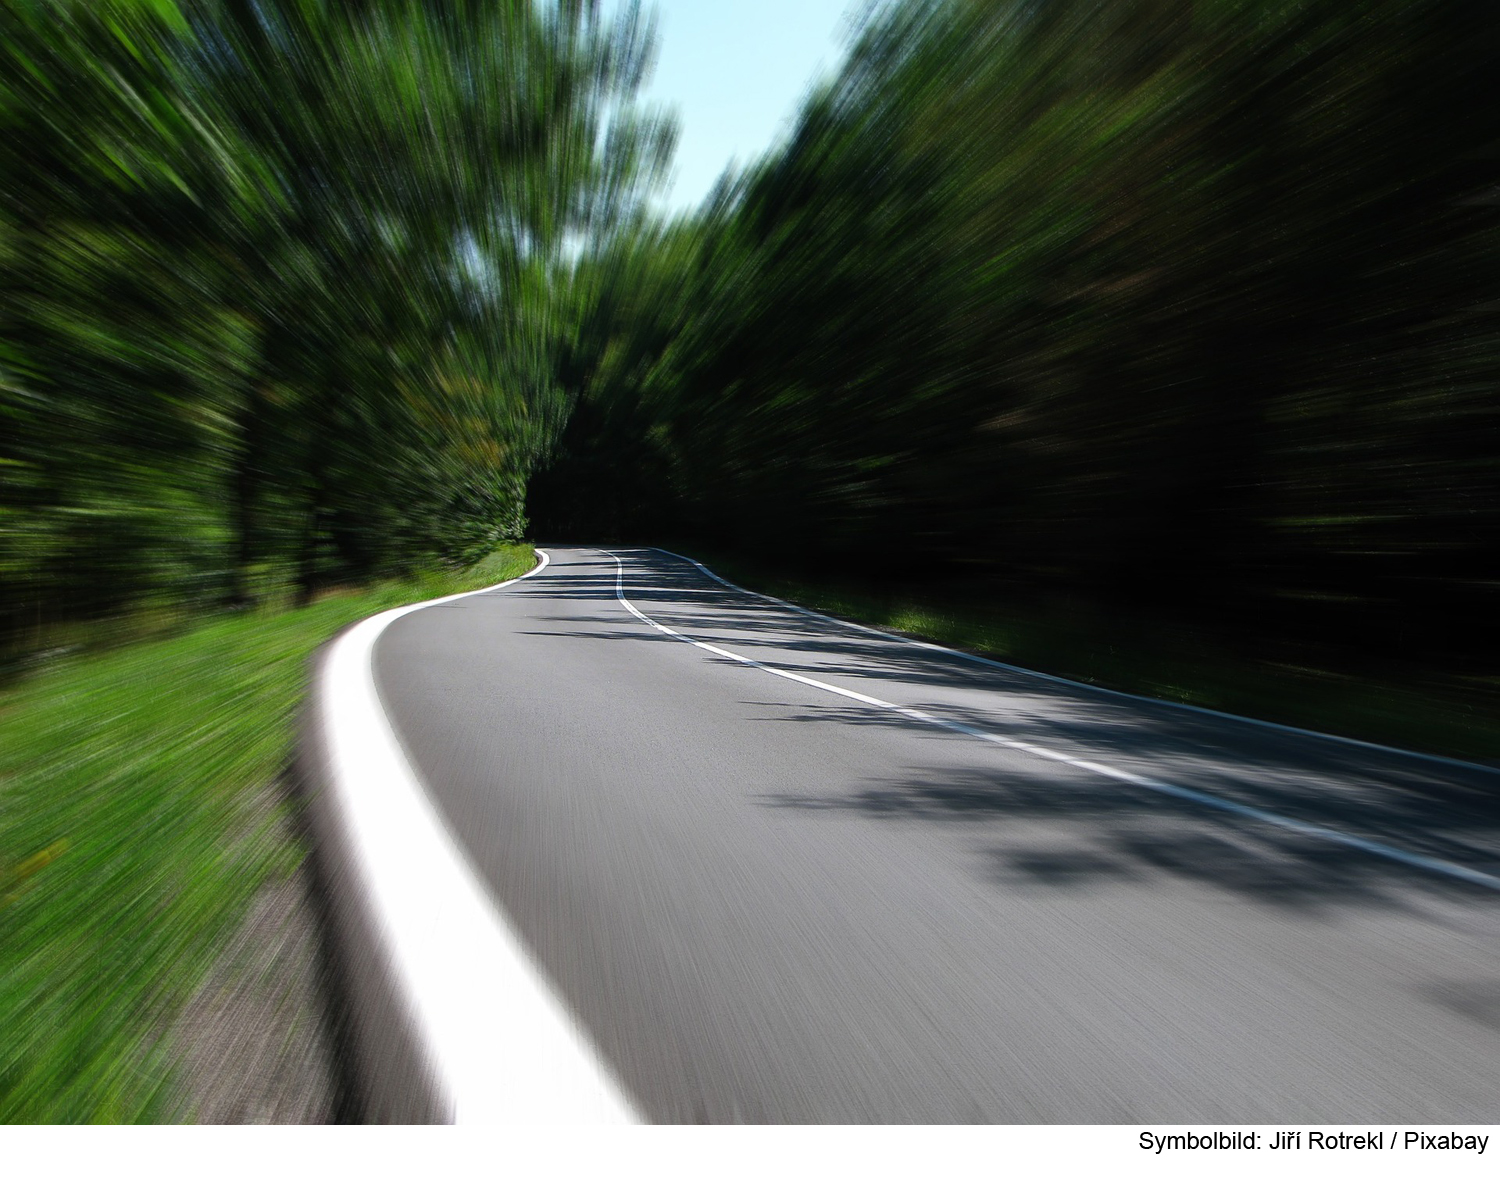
(736, 72)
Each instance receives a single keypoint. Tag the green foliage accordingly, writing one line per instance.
(278, 284)
(1176, 306)
(133, 835)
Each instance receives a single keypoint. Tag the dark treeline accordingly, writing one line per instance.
(283, 285)
(1185, 307)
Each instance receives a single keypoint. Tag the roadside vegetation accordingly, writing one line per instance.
(133, 836)
(1439, 715)
(283, 286)
(1166, 315)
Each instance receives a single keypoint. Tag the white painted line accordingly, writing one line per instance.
(500, 1045)
(1380, 849)
(1083, 685)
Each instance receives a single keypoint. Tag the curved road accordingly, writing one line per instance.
(814, 873)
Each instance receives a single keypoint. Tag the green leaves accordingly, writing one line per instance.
(1094, 299)
(290, 263)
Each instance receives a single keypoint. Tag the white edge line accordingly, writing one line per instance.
(1380, 849)
(1084, 685)
(499, 1044)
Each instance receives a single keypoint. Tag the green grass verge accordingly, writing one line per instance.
(133, 836)
(1432, 713)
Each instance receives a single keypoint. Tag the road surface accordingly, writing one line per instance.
(812, 873)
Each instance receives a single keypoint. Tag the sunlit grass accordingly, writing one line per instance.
(132, 839)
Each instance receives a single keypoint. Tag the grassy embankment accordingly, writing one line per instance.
(1448, 716)
(133, 836)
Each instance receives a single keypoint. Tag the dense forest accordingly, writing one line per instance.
(1187, 307)
(1180, 306)
(283, 286)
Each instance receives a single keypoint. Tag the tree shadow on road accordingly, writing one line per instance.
(1100, 830)
(1057, 831)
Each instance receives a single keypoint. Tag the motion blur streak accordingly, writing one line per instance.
(280, 297)
(1179, 309)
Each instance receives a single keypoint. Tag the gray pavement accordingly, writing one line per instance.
(767, 902)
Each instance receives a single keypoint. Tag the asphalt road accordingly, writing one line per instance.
(766, 901)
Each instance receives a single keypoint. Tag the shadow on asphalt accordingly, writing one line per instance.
(1116, 832)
